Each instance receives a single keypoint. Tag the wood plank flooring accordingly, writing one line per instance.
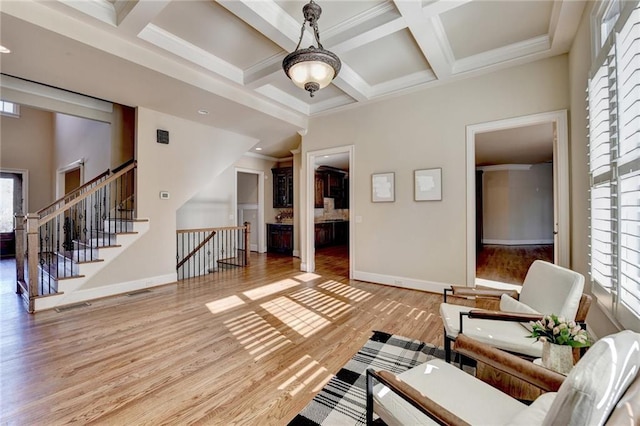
(244, 346)
(509, 264)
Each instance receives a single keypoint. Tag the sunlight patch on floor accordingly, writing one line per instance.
(320, 302)
(346, 291)
(300, 319)
(256, 335)
(269, 289)
(306, 277)
(222, 305)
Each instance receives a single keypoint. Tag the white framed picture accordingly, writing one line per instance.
(383, 187)
(427, 185)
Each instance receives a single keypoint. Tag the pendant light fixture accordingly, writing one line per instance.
(313, 68)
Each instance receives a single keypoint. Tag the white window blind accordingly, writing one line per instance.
(614, 166)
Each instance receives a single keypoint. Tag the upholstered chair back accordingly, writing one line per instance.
(552, 289)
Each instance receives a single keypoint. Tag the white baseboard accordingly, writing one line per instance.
(516, 242)
(296, 253)
(402, 282)
(104, 291)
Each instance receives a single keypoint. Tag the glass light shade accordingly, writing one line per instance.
(311, 71)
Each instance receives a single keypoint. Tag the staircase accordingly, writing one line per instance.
(59, 248)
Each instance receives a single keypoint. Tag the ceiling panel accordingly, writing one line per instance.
(213, 28)
(480, 26)
(333, 12)
(387, 58)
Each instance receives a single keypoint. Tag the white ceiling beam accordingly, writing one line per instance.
(141, 15)
(432, 42)
(352, 84)
(439, 7)
(101, 10)
(564, 22)
(270, 20)
(179, 47)
(369, 36)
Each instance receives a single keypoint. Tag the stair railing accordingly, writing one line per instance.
(52, 242)
(206, 250)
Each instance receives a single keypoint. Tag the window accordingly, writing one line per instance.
(614, 163)
(9, 108)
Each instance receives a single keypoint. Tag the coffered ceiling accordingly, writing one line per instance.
(225, 56)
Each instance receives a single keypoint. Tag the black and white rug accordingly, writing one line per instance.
(343, 400)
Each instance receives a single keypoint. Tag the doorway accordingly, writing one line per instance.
(556, 228)
(250, 205)
(329, 219)
(13, 185)
(69, 177)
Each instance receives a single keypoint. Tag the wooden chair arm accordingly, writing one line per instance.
(482, 292)
(420, 401)
(503, 315)
(536, 375)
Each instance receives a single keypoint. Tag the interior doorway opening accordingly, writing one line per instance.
(250, 206)
(13, 185)
(517, 194)
(329, 221)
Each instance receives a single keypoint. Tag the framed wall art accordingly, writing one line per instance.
(383, 187)
(427, 185)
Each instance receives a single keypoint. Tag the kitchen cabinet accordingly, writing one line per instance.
(282, 187)
(280, 238)
(334, 232)
(331, 183)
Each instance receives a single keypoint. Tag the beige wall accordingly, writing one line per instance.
(518, 206)
(27, 143)
(424, 242)
(196, 154)
(579, 66)
(78, 138)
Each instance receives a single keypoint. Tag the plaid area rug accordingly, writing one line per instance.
(343, 400)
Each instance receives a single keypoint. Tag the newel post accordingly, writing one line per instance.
(33, 251)
(20, 249)
(247, 247)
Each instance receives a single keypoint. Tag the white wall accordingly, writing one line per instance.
(196, 154)
(77, 138)
(518, 206)
(247, 188)
(422, 244)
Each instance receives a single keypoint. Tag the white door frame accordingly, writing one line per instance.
(561, 182)
(78, 164)
(310, 264)
(262, 247)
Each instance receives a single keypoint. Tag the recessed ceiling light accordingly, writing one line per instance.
(4, 49)
(258, 149)
(203, 112)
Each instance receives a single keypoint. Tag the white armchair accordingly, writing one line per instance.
(547, 289)
(603, 388)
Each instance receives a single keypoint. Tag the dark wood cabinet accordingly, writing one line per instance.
(282, 187)
(331, 233)
(280, 238)
(331, 184)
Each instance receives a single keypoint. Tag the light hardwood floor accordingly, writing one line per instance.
(509, 264)
(242, 346)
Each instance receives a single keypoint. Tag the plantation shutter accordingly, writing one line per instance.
(628, 163)
(614, 169)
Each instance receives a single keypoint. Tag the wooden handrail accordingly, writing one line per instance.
(224, 228)
(88, 193)
(65, 197)
(195, 250)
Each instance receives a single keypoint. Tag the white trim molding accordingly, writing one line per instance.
(402, 282)
(517, 242)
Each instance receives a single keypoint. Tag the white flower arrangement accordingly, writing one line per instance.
(559, 331)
